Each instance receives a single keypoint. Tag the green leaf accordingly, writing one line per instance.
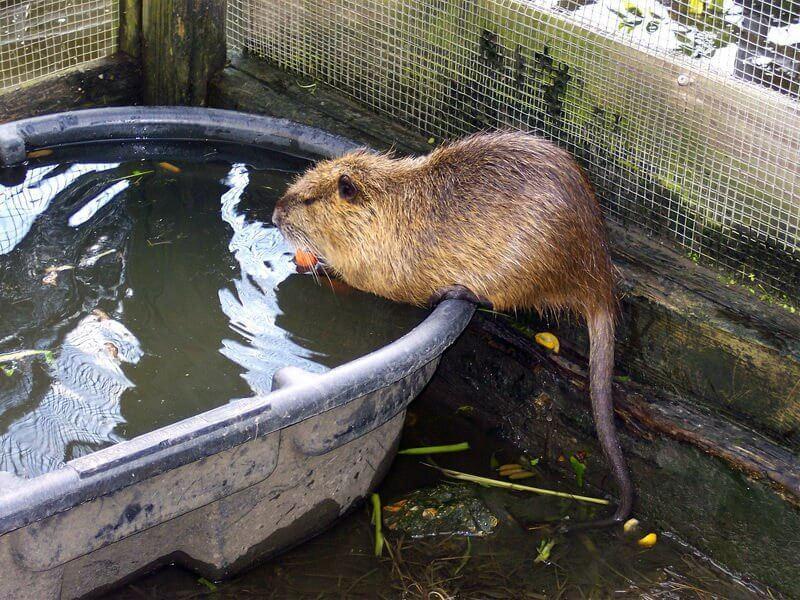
(535, 461)
(493, 462)
(435, 449)
(578, 468)
(207, 583)
(466, 557)
(545, 547)
(376, 520)
(7, 371)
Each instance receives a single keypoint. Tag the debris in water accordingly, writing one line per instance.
(377, 521)
(510, 469)
(169, 167)
(40, 153)
(207, 583)
(112, 350)
(466, 558)
(648, 541)
(548, 340)
(444, 509)
(20, 354)
(435, 449)
(135, 173)
(91, 260)
(51, 277)
(579, 468)
(515, 486)
(394, 507)
(630, 526)
(545, 547)
(100, 314)
(521, 475)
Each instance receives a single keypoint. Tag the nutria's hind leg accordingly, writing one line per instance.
(458, 292)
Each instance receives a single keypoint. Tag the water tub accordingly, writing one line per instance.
(235, 484)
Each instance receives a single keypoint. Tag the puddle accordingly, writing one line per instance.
(501, 565)
(154, 290)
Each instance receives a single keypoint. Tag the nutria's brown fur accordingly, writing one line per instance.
(507, 215)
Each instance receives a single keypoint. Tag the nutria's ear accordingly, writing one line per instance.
(348, 190)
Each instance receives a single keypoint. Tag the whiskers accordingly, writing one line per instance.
(299, 241)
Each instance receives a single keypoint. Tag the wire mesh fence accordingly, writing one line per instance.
(40, 38)
(685, 114)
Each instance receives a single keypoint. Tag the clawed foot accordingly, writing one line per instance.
(458, 292)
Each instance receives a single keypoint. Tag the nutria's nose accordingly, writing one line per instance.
(278, 214)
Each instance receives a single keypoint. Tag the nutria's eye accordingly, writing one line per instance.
(309, 201)
(347, 189)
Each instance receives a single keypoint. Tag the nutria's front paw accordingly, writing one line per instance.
(458, 292)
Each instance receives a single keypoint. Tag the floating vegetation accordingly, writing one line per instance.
(377, 522)
(579, 468)
(548, 340)
(630, 525)
(51, 274)
(134, 174)
(545, 547)
(205, 582)
(517, 471)
(515, 486)
(20, 354)
(461, 447)
(444, 509)
(648, 541)
(169, 167)
(40, 153)
(465, 560)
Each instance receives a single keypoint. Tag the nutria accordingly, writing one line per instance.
(504, 219)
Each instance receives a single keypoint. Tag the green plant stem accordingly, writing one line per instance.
(515, 486)
(376, 517)
(435, 449)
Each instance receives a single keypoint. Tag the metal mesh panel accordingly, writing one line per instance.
(39, 38)
(686, 116)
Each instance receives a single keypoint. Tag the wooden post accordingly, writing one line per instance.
(130, 27)
(183, 47)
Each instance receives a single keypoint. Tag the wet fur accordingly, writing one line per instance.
(507, 215)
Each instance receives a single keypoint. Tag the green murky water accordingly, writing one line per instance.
(159, 291)
(341, 563)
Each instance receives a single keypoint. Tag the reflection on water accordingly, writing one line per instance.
(80, 410)
(160, 295)
(23, 203)
(253, 306)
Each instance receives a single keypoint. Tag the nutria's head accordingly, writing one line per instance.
(330, 208)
